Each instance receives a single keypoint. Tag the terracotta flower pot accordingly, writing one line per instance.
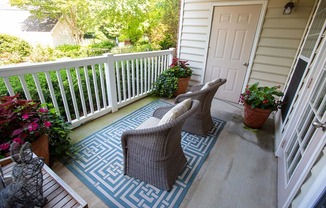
(256, 117)
(182, 86)
(41, 148)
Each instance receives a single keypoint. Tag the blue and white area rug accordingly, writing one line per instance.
(99, 164)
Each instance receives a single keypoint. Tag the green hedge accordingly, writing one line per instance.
(11, 44)
(13, 49)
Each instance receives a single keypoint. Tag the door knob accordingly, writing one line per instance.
(245, 64)
(317, 124)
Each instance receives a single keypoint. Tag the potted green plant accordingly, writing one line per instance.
(259, 102)
(40, 124)
(174, 80)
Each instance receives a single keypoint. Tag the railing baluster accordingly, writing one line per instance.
(137, 76)
(165, 62)
(149, 74)
(153, 72)
(123, 80)
(128, 79)
(96, 88)
(102, 86)
(118, 81)
(39, 88)
(162, 64)
(133, 77)
(63, 95)
(141, 76)
(159, 65)
(49, 81)
(25, 88)
(8, 86)
(156, 68)
(81, 92)
(72, 92)
(89, 90)
(145, 74)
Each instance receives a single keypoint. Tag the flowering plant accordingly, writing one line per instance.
(262, 97)
(180, 68)
(167, 82)
(26, 120)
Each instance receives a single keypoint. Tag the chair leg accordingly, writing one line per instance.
(198, 126)
(162, 174)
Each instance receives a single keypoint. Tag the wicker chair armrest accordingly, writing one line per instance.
(196, 88)
(161, 111)
(197, 93)
(161, 131)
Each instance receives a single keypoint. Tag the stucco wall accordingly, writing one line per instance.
(277, 46)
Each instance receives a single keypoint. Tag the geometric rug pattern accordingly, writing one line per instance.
(99, 164)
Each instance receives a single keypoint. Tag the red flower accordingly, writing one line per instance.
(248, 92)
(4, 146)
(47, 124)
(25, 116)
(18, 140)
(265, 101)
(32, 127)
(43, 110)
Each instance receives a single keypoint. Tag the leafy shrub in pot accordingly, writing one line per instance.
(167, 82)
(259, 102)
(25, 120)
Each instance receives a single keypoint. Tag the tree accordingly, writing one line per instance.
(125, 19)
(78, 14)
(171, 18)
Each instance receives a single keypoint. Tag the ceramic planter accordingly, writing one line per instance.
(256, 117)
(182, 86)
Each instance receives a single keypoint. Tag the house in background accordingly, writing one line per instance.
(252, 41)
(20, 23)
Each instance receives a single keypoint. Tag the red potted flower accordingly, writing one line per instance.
(259, 102)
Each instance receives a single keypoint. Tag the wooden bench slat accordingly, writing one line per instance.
(49, 185)
(56, 199)
(51, 189)
(63, 201)
(71, 203)
(54, 194)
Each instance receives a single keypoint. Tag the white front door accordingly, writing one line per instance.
(232, 35)
(307, 137)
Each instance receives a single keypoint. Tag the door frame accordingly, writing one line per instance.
(302, 102)
(263, 4)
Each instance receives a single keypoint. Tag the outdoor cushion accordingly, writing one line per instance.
(149, 123)
(176, 111)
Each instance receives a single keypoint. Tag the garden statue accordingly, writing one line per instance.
(27, 187)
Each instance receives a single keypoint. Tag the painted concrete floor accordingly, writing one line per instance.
(239, 172)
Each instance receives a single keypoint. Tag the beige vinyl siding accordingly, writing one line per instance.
(278, 43)
(194, 37)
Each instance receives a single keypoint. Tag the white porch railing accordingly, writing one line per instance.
(84, 89)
